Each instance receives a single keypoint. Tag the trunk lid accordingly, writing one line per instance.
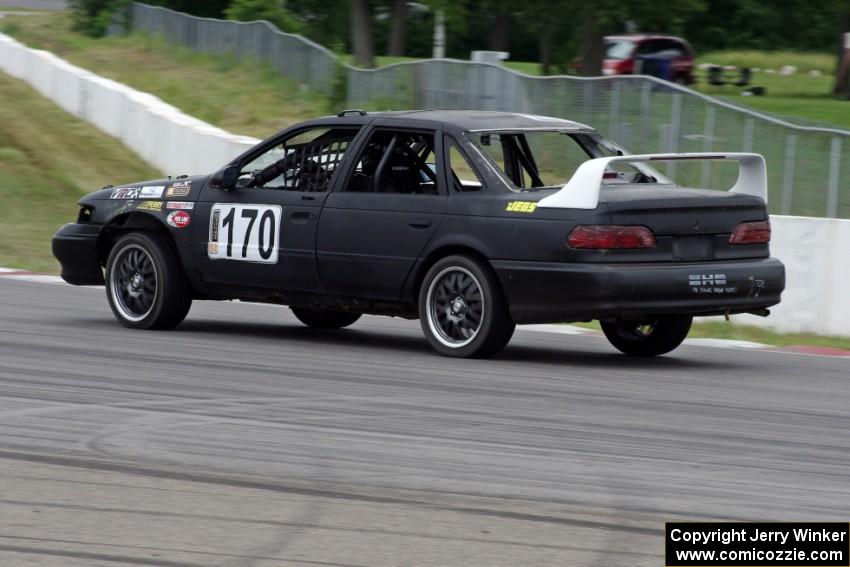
(689, 224)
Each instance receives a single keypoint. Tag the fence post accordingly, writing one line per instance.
(614, 111)
(834, 171)
(675, 129)
(645, 110)
(788, 182)
(587, 92)
(708, 140)
(749, 125)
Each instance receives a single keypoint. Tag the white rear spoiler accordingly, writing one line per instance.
(582, 190)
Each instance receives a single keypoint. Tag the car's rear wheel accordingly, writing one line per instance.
(324, 319)
(649, 337)
(145, 284)
(462, 310)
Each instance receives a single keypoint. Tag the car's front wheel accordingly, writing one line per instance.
(650, 337)
(462, 310)
(145, 285)
(324, 319)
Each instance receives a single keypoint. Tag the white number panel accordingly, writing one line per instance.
(249, 233)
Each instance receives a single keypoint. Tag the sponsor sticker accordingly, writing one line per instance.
(178, 219)
(151, 192)
(521, 207)
(180, 205)
(181, 189)
(125, 193)
(149, 206)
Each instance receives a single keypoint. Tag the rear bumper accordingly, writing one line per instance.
(540, 292)
(75, 246)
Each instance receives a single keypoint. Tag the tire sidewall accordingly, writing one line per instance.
(492, 305)
(668, 334)
(165, 271)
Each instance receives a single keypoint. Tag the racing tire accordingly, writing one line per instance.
(462, 310)
(145, 285)
(324, 319)
(653, 337)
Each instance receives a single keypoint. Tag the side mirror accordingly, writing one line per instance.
(225, 178)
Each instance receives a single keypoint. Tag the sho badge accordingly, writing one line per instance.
(178, 219)
(707, 279)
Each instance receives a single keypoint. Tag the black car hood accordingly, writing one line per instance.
(195, 182)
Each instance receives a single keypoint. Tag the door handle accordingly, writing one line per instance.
(301, 216)
(420, 223)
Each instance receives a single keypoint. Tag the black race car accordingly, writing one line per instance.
(461, 219)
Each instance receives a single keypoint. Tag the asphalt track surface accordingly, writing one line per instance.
(243, 438)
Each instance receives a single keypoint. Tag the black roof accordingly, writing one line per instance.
(477, 119)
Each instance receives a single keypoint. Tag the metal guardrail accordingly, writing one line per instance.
(809, 167)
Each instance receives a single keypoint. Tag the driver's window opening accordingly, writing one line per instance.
(396, 162)
(531, 160)
(303, 162)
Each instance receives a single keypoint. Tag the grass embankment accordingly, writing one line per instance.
(48, 160)
(243, 97)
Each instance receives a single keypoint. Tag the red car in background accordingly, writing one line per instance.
(664, 56)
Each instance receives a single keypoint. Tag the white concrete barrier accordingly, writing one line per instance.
(816, 252)
(161, 134)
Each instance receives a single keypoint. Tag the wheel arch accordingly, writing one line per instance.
(436, 254)
(130, 222)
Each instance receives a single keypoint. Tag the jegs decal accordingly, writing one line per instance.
(248, 233)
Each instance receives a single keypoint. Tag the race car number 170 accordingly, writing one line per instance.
(249, 233)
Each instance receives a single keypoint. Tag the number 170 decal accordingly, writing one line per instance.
(248, 233)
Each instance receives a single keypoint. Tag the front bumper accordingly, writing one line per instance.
(75, 246)
(545, 292)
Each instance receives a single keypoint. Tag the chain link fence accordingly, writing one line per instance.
(808, 167)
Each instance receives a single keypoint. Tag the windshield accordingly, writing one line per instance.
(619, 49)
(545, 159)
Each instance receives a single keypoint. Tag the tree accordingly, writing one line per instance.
(500, 30)
(842, 68)
(361, 33)
(398, 21)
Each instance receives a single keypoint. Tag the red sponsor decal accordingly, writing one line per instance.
(179, 219)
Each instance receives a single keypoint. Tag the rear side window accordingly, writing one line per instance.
(396, 162)
(532, 159)
(464, 177)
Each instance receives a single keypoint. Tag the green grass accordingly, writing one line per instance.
(49, 159)
(738, 332)
(799, 98)
(244, 97)
(823, 62)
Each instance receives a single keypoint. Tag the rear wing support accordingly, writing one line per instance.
(582, 190)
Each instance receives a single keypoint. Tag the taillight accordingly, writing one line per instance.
(751, 233)
(606, 237)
